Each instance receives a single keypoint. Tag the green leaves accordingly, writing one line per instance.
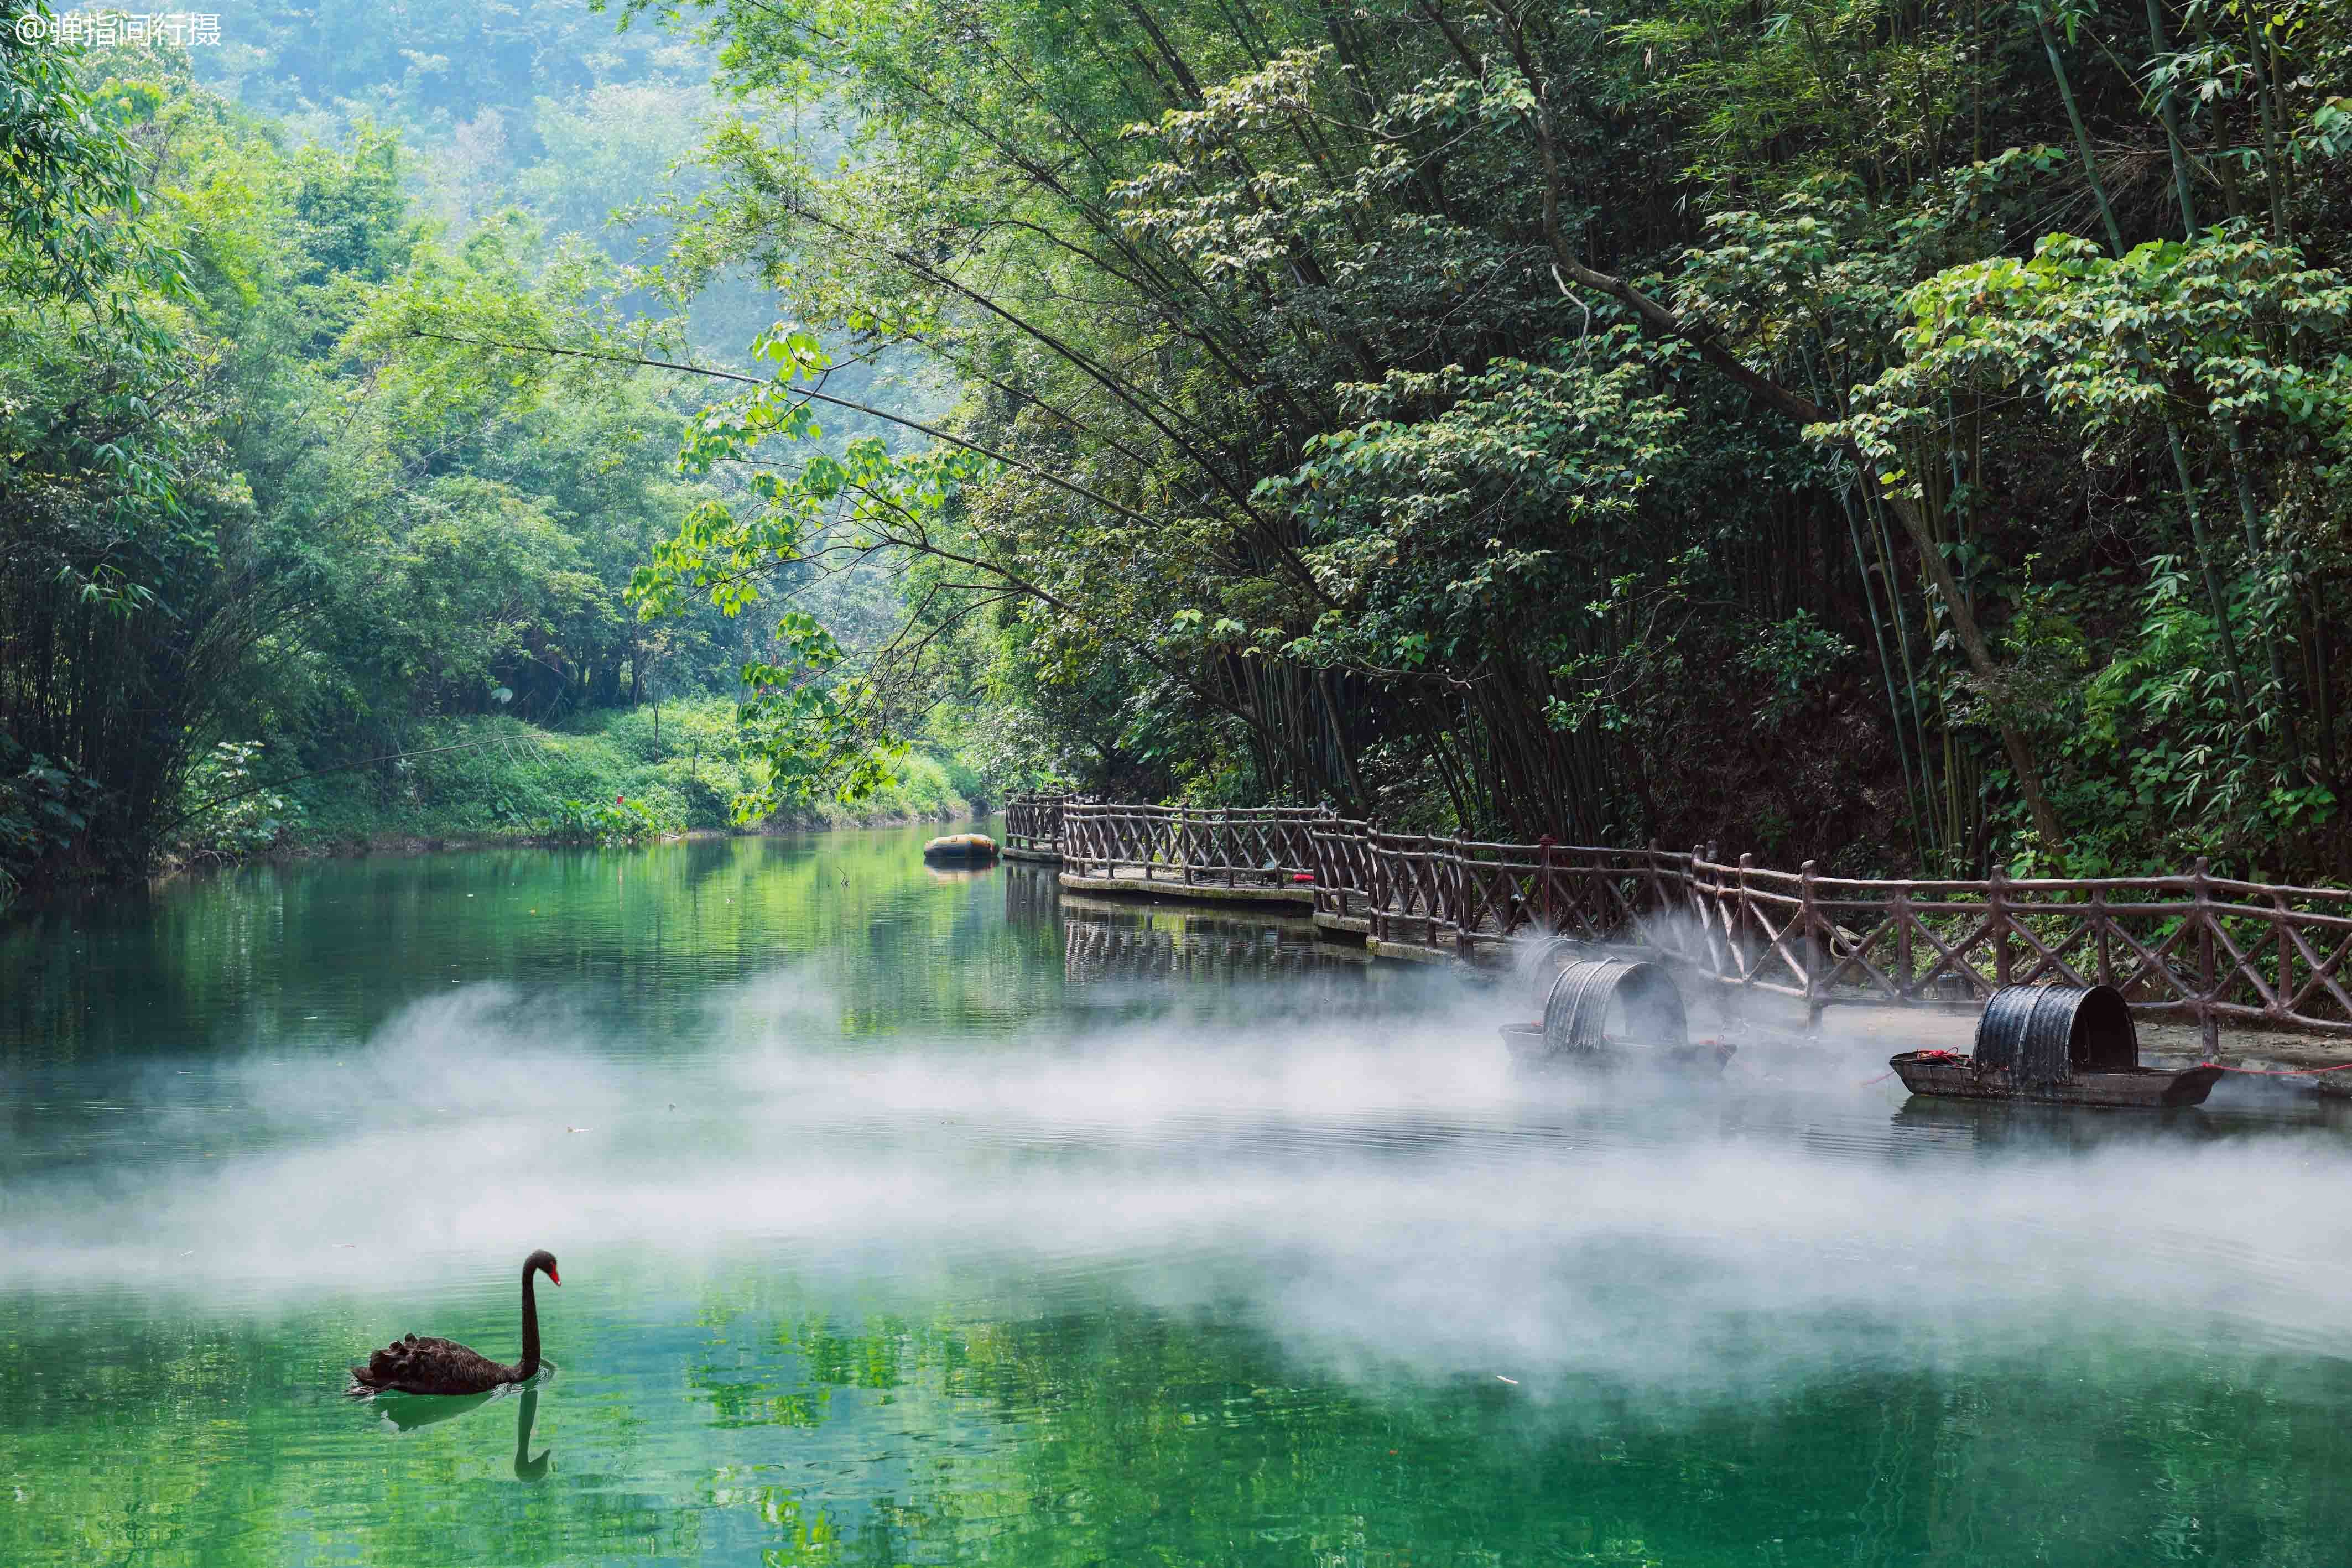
(43, 809)
(810, 731)
(625, 819)
(2228, 327)
(810, 724)
(69, 191)
(229, 815)
(1796, 658)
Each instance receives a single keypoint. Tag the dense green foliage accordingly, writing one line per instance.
(1910, 433)
(255, 533)
(1663, 420)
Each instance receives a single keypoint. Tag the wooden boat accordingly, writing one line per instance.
(1528, 1048)
(2055, 1045)
(1951, 1075)
(960, 847)
(1612, 1012)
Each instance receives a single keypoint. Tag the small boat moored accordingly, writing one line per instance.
(1612, 1012)
(969, 847)
(2055, 1045)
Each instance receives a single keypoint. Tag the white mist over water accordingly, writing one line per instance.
(1382, 1197)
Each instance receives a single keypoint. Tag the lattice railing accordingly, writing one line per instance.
(1435, 890)
(1241, 846)
(1343, 868)
(2197, 946)
(1033, 822)
(2194, 946)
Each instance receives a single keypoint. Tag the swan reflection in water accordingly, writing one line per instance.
(407, 1412)
(527, 1469)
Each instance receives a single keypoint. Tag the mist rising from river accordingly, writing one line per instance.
(1388, 1200)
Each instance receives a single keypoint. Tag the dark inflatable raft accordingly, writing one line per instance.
(2055, 1045)
(1612, 1012)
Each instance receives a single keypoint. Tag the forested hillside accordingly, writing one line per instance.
(1908, 434)
(1905, 433)
(545, 107)
(267, 575)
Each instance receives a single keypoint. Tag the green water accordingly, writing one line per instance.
(917, 1217)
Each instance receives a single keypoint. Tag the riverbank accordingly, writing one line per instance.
(486, 780)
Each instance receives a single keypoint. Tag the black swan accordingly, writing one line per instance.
(414, 1365)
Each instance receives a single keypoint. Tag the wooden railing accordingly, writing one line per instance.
(1266, 846)
(1427, 889)
(1342, 851)
(2197, 947)
(1033, 822)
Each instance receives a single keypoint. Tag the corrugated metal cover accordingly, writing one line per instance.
(1647, 1009)
(2046, 1034)
(1551, 959)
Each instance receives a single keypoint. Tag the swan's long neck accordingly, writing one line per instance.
(529, 1366)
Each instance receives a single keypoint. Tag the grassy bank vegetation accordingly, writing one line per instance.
(487, 776)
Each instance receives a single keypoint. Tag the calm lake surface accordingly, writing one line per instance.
(922, 1218)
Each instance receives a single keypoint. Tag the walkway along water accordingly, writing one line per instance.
(2196, 949)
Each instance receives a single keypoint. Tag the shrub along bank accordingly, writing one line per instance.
(623, 773)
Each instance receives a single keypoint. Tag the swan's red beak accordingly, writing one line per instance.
(557, 1278)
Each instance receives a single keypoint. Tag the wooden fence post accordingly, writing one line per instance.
(1809, 915)
(2208, 1022)
(2282, 994)
(1449, 895)
(1545, 844)
(1739, 924)
(2102, 936)
(1694, 904)
(1425, 888)
(1905, 984)
(1997, 911)
(1655, 891)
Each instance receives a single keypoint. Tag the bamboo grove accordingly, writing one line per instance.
(1908, 433)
